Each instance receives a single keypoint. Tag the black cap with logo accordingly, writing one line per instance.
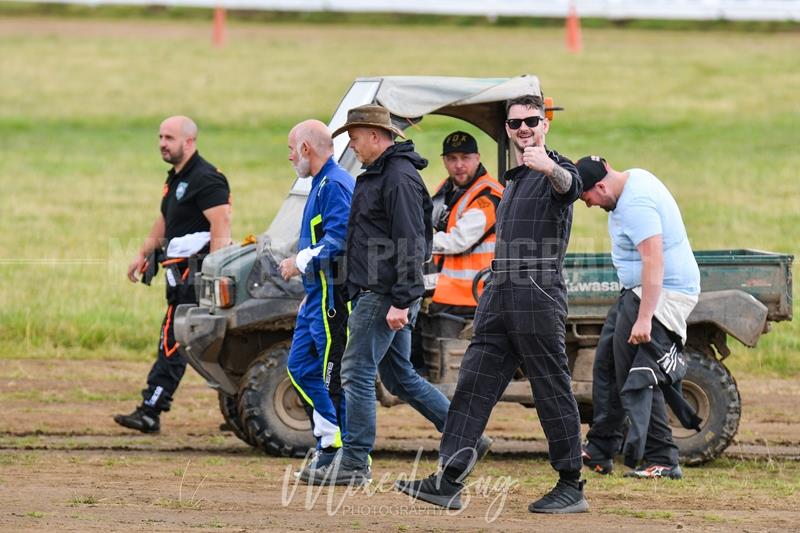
(592, 169)
(459, 141)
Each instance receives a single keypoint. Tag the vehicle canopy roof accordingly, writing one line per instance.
(479, 101)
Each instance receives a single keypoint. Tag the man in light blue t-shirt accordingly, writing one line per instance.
(638, 364)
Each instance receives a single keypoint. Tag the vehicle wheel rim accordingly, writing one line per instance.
(698, 399)
(289, 407)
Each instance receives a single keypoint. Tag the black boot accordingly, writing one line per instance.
(143, 420)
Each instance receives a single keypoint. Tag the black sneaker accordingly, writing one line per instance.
(337, 473)
(139, 420)
(654, 471)
(562, 499)
(435, 489)
(600, 466)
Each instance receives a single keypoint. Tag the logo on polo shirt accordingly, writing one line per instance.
(180, 190)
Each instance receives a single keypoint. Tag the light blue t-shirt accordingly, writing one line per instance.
(646, 208)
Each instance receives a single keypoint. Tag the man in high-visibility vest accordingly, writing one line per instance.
(464, 218)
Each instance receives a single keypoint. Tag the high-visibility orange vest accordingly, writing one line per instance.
(454, 285)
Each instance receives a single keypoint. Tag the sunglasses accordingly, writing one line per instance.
(531, 122)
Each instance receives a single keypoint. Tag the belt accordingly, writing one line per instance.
(533, 264)
(174, 261)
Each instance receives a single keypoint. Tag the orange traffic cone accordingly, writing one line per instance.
(574, 39)
(218, 36)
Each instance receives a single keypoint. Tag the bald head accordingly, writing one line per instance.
(185, 125)
(177, 136)
(316, 134)
(310, 146)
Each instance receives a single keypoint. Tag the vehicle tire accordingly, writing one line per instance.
(272, 412)
(229, 406)
(711, 390)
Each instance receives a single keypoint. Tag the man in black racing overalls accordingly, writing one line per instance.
(520, 322)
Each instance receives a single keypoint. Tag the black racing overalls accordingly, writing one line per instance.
(520, 323)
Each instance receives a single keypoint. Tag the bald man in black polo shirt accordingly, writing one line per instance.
(195, 219)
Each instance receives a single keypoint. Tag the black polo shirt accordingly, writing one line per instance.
(197, 187)
(533, 220)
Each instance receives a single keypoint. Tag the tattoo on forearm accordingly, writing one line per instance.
(560, 179)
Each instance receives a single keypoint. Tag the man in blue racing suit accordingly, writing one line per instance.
(320, 334)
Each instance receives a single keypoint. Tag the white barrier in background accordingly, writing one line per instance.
(786, 10)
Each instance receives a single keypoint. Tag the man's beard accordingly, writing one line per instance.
(610, 207)
(518, 143)
(173, 158)
(303, 167)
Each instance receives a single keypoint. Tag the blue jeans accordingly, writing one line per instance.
(371, 348)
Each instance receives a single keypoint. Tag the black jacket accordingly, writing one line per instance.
(637, 399)
(389, 233)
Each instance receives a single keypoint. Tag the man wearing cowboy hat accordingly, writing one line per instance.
(388, 240)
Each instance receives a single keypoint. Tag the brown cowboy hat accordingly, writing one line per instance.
(369, 116)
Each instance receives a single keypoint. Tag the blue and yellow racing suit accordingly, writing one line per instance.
(320, 334)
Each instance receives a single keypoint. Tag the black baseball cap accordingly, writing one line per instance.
(592, 169)
(459, 141)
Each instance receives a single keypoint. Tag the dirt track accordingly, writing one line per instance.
(64, 464)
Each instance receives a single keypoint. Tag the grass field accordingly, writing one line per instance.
(714, 114)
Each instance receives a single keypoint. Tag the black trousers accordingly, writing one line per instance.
(613, 360)
(168, 369)
(517, 324)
